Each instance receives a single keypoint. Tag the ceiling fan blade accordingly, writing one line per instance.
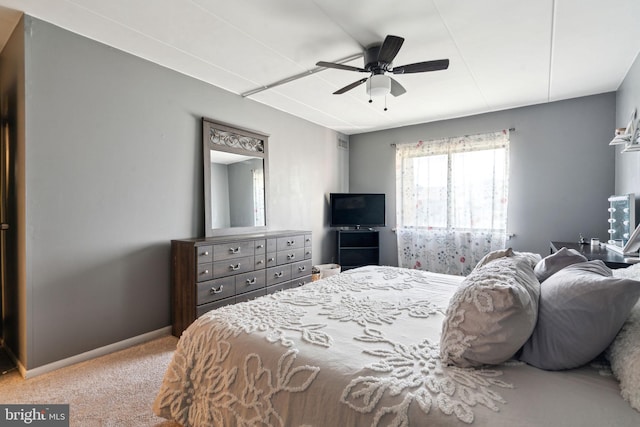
(340, 66)
(421, 67)
(390, 48)
(396, 88)
(349, 87)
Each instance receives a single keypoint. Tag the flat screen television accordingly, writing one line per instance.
(357, 210)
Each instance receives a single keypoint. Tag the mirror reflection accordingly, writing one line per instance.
(237, 190)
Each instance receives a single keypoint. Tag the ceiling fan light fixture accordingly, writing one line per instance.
(378, 85)
(378, 60)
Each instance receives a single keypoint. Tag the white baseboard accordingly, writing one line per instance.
(92, 354)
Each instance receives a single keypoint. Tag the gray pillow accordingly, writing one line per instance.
(582, 308)
(556, 262)
(532, 257)
(491, 315)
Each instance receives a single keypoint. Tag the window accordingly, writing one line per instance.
(258, 198)
(453, 186)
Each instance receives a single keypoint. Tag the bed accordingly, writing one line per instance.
(362, 348)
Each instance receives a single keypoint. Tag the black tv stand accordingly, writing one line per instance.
(358, 247)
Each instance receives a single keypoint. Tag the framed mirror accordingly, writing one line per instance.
(622, 219)
(235, 179)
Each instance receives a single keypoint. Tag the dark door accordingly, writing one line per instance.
(6, 364)
(4, 158)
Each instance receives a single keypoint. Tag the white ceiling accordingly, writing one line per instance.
(503, 53)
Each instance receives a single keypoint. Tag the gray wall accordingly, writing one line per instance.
(241, 200)
(561, 168)
(113, 172)
(628, 164)
(220, 217)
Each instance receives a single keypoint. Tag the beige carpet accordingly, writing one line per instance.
(113, 390)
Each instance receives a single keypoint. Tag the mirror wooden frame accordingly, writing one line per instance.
(223, 137)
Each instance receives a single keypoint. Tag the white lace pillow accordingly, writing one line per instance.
(492, 314)
(624, 355)
(631, 272)
(494, 255)
(533, 258)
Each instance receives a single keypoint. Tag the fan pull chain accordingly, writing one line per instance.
(385, 102)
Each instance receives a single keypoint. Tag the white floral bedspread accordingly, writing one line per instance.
(356, 349)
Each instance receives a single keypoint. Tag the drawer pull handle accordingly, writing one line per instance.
(291, 242)
(252, 281)
(302, 268)
(279, 274)
(234, 250)
(271, 259)
(214, 291)
(205, 272)
(235, 267)
(260, 261)
(205, 253)
(260, 246)
(308, 253)
(291, 256)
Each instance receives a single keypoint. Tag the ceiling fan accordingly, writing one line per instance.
(377, 60)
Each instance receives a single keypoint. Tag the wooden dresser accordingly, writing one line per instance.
(207, 273)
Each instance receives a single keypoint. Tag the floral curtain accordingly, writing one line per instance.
(451, 201)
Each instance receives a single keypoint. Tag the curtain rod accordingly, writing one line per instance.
(393, 144)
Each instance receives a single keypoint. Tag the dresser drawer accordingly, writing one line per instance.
(232, 266)
(232, 250)
(307, 240)
(299, 269)
(204, 308)
(205, 272)
(251, 281)
(251, 295)
(300, 281)
(204, 254)
(259, 262)
(213, 290)
(272, 245)
(290, 242)
(307, 253)
(260, 246)
(272, 260)
(279, 287)
(281, 273)
(285, 257)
